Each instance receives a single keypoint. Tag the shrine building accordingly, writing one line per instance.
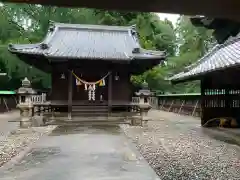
(89, 64)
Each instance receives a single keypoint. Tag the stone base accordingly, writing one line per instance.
(38, 121)
(136, 121)
(25, 124)
(145, 120)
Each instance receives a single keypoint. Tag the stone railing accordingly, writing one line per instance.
(135, 99)
(38, 99)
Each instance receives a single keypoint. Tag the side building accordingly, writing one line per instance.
(218, 72)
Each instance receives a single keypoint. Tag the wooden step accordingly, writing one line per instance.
(85, 114)
(89, 107)
(89, 110)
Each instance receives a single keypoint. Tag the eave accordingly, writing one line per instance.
(222, 28)
(138, 64)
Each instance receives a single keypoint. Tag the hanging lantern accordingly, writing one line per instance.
(116, 77)
(62, 76)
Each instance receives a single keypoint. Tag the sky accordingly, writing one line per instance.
(170, 17)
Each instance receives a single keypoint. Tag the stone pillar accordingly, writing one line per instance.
(25, 103)
(26, 116)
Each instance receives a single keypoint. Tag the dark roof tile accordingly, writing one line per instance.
(88, 41)
(220, 57)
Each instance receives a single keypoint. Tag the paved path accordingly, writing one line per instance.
(82, 153)
(5, 126)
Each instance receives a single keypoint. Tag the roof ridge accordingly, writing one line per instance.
(91, 26)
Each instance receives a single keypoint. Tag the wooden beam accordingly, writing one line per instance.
(162, 105)
(6, 104)
(171, 105)
(228, 9)
(70, 86)
(195, 108)
(179, 111)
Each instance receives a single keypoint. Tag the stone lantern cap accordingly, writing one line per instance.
(144, 92)
(26, 88)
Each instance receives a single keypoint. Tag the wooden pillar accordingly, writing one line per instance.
(110, 91)
(70, 77)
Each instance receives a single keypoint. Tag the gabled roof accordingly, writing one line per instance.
(222, 56)
(82, 41)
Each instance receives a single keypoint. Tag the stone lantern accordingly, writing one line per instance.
(144, 93)
(144, 100)
(25, 103)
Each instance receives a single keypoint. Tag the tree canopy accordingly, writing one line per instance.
(184, 43)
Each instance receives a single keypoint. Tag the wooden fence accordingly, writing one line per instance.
(187, 104)
(8, 101)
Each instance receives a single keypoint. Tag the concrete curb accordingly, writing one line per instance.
(16, 159)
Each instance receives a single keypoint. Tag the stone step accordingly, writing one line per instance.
(81, 114)
(70, 123)
(90, 118)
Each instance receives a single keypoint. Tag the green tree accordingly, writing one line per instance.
(25, 23)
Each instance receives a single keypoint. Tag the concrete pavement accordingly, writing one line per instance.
(86, 153)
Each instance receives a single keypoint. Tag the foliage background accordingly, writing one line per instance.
(184, 43)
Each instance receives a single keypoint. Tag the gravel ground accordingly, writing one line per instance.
(178, 148)
(18, 140)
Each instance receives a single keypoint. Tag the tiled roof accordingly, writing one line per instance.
(89, 41)
(220, 57)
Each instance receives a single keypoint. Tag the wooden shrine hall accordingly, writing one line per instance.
(218, 72)
(90, 65)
